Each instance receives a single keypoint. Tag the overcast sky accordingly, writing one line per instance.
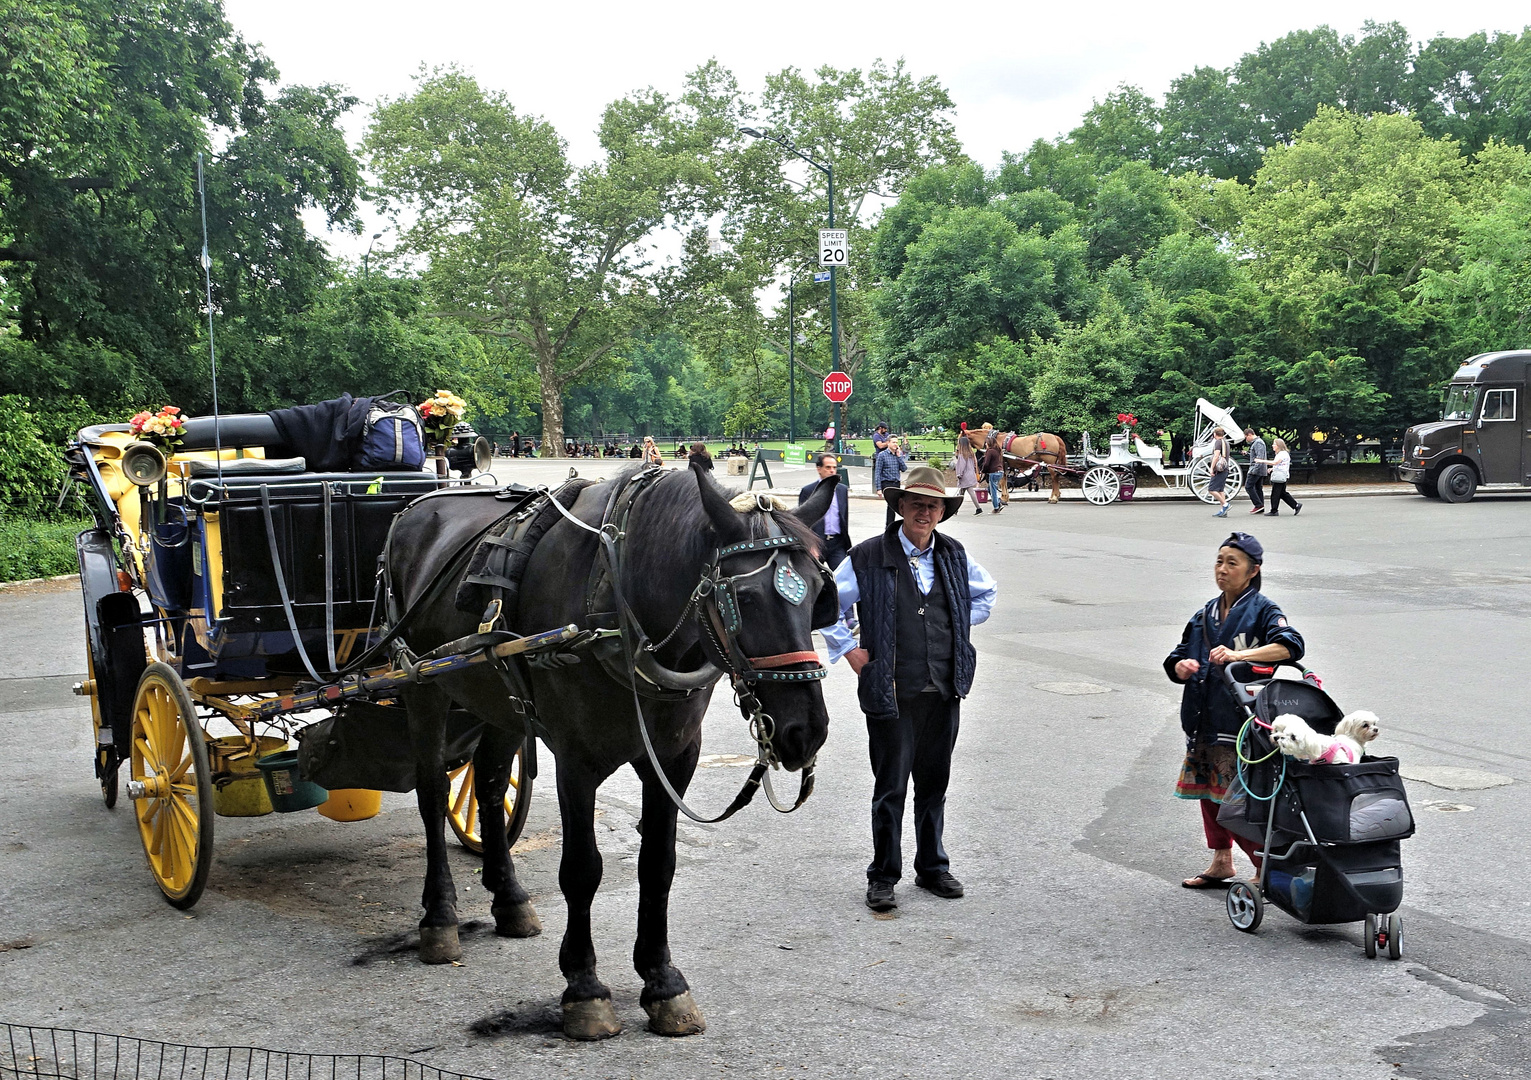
(1016, 71)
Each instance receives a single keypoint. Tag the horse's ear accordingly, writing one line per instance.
(812, 511)
(726, 521)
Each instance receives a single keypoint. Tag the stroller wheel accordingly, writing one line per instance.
(1394, 936)
(1371, 936)
(1246, 907)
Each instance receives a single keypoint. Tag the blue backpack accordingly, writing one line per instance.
(392, 438)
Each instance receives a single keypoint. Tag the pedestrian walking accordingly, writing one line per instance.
(886, 466)
(993, 468)
(834, 527)
(1240, 623)
(917, 593)
(1217, 482)
(1255, 478)
(1281, 472)
(651, 453)
(700, 456)
(965, 465)
(880, 438)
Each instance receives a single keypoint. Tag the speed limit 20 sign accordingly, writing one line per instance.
(834, 247)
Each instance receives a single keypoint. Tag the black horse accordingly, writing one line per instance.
(673, 532)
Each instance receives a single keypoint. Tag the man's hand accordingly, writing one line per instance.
(859, 658)
(1223, 655)
(1186, 668)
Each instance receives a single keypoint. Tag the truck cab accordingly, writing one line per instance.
(1483, 438)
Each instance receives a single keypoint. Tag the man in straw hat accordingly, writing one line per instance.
(918, 593)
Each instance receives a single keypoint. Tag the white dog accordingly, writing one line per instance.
(1296, 739)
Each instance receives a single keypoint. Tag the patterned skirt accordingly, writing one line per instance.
(1207, 773)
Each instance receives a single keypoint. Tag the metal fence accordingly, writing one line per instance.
(35, 1053)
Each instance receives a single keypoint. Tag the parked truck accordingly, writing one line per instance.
(1483, 438)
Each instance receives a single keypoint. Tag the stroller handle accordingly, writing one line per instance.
(1245, 679)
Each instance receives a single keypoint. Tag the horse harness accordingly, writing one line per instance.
(624, 650)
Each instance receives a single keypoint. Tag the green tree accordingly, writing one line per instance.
(105, 108)
(523, 247)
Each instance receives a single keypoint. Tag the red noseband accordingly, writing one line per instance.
(783, 659)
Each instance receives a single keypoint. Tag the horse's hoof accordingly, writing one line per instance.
(517, 920)
(679, 1015)
(590, 1020)
(438, 945)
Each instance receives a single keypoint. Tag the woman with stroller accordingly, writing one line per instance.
(1240, 623)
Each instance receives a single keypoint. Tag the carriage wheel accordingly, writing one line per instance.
(1101, 485)
(171, 785)
(1129, 481)
(1369, 941)
(1395, 936)
(1246, 907)
(463, 808)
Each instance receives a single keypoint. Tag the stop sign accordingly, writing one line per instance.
(837, 386)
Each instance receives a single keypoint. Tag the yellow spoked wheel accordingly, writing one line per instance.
(463, 808)
(171, 786)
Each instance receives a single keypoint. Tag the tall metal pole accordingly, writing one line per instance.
(791, 359)
(834, 314)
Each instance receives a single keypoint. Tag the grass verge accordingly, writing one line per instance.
(30, 548)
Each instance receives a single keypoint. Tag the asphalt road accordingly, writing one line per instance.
(1074, 954)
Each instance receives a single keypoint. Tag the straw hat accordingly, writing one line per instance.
(923, 480)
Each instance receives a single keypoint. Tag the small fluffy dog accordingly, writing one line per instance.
(1296, 739)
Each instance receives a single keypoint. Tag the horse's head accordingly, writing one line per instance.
(774, 592)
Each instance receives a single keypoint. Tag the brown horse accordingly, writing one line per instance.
(1044, 449)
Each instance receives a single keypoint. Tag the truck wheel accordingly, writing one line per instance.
(1427, 490)
(1457, 483)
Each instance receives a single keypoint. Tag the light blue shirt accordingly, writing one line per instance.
(981, 587)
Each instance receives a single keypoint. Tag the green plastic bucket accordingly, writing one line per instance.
(285, 785)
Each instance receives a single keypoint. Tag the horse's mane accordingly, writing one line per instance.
(673, 505)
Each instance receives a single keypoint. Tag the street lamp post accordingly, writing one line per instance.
(365, 271)
(834, 304)
(791, 360)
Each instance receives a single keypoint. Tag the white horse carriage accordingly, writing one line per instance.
(1114, 476)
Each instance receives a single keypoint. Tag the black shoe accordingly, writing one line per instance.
(880, 896)
(1297, 509)
(942, 884)
(979, 510)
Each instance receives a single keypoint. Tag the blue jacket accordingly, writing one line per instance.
(1208, 712)
(877, 562)
(885, 469)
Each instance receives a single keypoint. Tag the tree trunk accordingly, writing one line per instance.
(552, 410)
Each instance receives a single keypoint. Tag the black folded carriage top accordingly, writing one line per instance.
(320, 438)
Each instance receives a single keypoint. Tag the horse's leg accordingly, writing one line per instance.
(666, 996)
(514, 915)
(428, 708)
(587, 1011)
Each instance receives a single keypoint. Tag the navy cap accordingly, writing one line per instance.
(1247, 544)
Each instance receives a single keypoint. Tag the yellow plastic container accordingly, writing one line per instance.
(243, 793)
(352, 804)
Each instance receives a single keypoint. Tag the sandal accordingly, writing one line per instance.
(1206, 881)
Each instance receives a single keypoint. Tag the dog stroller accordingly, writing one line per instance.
(1331, 833)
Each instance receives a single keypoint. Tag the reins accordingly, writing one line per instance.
(712, 594)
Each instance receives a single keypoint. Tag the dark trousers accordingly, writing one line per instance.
(836, 549)
(1279, 496)
(1256, 486)
(918, 743)
(891, 514)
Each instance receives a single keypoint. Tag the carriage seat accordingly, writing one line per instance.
(1149, 453)
(208, 470)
